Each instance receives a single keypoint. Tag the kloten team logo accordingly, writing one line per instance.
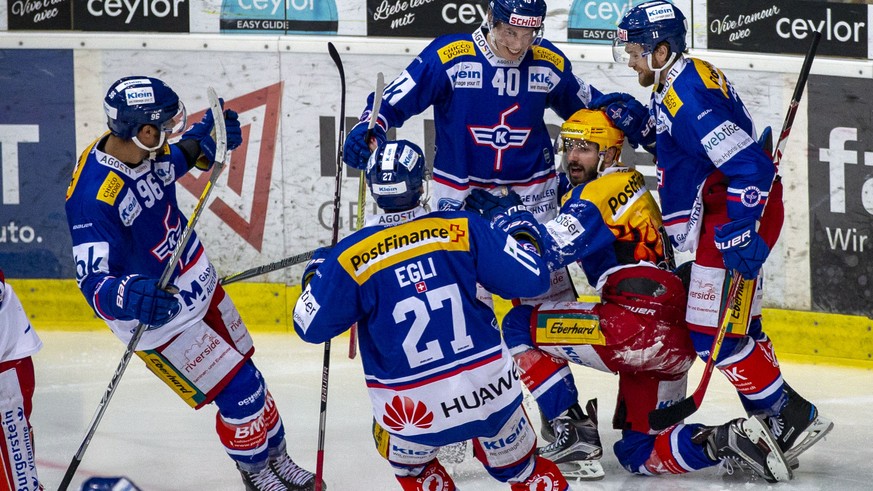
(500, 136)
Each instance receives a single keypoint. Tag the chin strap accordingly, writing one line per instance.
(151, 150)
(658, 71)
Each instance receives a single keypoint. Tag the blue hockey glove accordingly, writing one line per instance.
(137, 297)
(318, 257)
(109, 484)
(356, 151)
(633, 119)
(741, 247)
(607, 99)
(202, 133)
(506, 213)
(488, 206)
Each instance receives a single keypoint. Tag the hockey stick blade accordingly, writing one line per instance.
(218, 166)
(267, 268)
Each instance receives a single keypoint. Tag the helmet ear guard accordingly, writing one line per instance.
(395, 175)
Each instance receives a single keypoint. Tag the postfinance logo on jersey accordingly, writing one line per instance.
(393, 245)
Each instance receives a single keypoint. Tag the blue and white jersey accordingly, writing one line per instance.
(125, 221)
(435, 365)
(488, 115)
(703, 126)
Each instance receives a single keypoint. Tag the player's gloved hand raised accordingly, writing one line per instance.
(137, 297)
(202, 132)
(630, 116)
(356, 151)
(741, 247)
(318, 257)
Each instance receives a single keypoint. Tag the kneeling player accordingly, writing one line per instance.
(610, 224)
(435, 366)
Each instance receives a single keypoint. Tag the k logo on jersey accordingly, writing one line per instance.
(500, 136)
(173, 232)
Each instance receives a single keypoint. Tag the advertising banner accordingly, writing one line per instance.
(49, 15)
(423, 18)
(785, 27)
(279, 17)
(595, 21)
(841, 194)
(138, 16)
(37, 140)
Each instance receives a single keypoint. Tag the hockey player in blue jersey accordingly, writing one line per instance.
(610, 224)
(125, 222)
(714, 182)
(435, 366)
(489, 91)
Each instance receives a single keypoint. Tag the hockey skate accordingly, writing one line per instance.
(748, 443)
(294, 477)
(576, 448)
(798, 418)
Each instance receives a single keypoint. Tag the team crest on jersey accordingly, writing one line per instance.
(165, 171)
(129, 208)
(751, 196)
(448, 204)
(172, 233)
(501, 136)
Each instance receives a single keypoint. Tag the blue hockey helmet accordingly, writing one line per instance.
(649, 24)
(395, 173)
(520, 13)
(132, 102)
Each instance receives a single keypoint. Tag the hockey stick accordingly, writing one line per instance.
(662, 418)
(325, 370)
(267, 268)
(362, 191)
(220, 161)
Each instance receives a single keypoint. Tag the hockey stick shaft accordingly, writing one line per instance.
(218, 166)
(325, 370)
(662, 418)
(267, 268)
(362, 191)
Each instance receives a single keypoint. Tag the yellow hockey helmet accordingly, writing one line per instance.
(593, 126)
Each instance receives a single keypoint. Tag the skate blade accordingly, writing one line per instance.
(756, 430)
(582, 470)
(814, 432)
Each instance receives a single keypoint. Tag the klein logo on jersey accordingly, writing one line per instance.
(172, 233)
(129, 208)
(504, 441)
(403, 412)
(540, 79)
(466, 75)
(500, 136)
